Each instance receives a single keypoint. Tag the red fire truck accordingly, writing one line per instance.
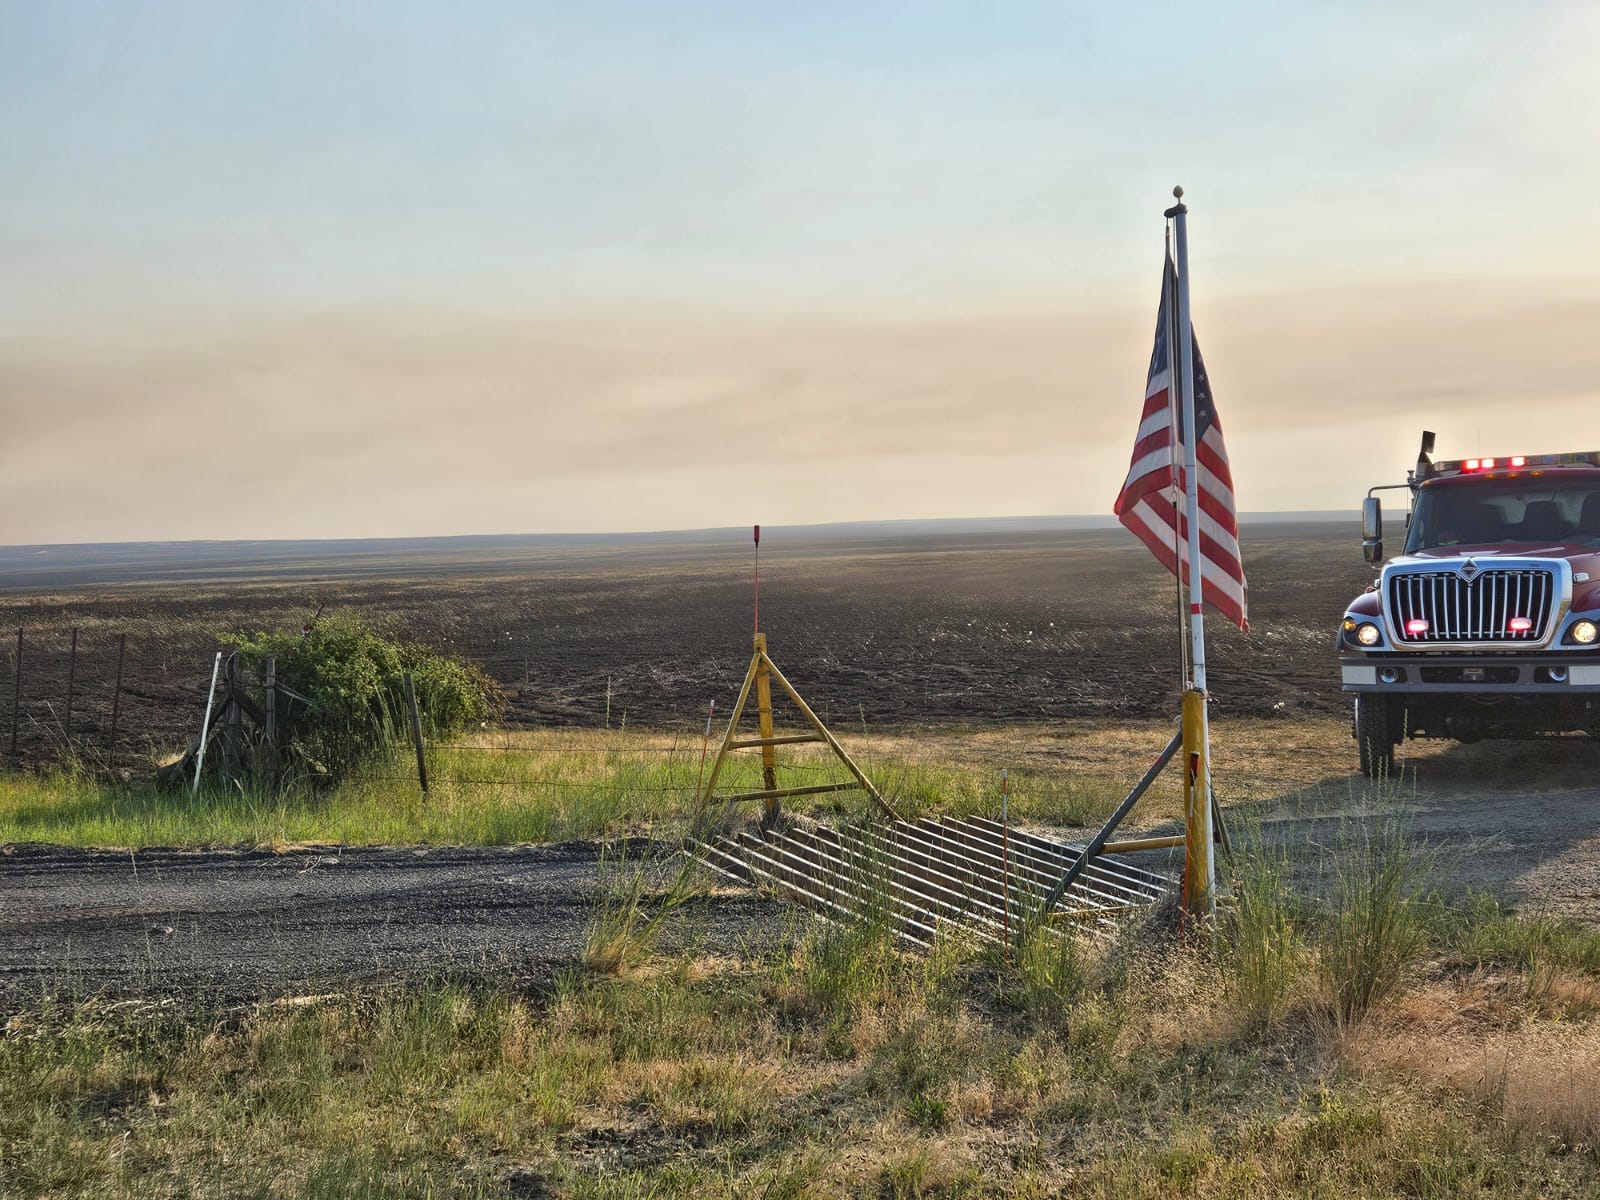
(1487, 625)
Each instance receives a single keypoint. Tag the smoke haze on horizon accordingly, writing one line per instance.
(286, 272)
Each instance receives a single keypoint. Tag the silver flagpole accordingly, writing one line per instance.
(1204, 832)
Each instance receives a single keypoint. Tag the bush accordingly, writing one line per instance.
(353, 675)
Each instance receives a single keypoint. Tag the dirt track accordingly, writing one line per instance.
(230, 926)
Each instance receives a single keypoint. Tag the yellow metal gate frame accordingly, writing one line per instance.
(760, 678)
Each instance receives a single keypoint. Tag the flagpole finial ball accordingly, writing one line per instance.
(1177, 193)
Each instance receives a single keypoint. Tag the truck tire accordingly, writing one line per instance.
(1375, 727)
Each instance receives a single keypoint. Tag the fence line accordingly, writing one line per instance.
(574, 750)
(564, 784)
(85, 693)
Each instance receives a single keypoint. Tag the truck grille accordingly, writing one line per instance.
(1479, 610)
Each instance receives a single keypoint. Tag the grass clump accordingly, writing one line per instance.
(1337, 945)
(844, 968)
(1377, 921)
(1264, 940)
(1046, 971)
(1485, 930)
(638, 901)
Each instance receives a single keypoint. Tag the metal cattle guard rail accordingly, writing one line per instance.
(929, 877)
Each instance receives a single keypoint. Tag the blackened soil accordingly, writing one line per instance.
(916, 629)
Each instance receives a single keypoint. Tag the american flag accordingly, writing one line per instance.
(1151, 502)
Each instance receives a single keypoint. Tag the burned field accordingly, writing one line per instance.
(893, 630)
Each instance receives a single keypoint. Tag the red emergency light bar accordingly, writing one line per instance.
(1467, 466)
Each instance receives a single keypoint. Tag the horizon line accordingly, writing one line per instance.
(1092, 520)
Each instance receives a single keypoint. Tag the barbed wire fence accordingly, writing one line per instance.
(90, 696)
(113, 704)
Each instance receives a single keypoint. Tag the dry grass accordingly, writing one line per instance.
(506, 787)
(1499, 1042)
(843, 1068)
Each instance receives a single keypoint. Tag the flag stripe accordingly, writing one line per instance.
(1150, 502)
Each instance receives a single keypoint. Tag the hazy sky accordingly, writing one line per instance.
(295, 270)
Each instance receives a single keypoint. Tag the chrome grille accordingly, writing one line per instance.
(1476, 610)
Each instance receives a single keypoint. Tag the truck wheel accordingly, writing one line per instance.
(1375, 722)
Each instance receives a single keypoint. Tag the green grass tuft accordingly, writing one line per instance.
(1377, 921)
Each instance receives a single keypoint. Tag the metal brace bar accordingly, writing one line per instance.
(815, 789)
(1097, 843)
(791, 739)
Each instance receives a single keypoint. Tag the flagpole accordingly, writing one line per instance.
(1176, 435)
(1201, 884)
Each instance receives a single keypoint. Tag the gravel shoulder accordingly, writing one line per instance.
(1519, 819)
(1539, 851)
(244, 925)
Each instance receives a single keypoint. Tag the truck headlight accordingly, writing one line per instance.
(1584, 632)
(1367, 634)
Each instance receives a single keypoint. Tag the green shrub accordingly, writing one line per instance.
(353, 675)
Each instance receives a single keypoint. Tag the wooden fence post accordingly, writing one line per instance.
(72, 683)
(233, 744)
(270, 728)
(116, 703)
(16, 694)
(416, 732)
(271, 685)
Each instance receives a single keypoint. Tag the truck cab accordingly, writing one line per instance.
(1487, 624)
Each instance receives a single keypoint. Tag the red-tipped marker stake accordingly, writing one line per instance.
(701, 778)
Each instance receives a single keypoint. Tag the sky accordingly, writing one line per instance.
(285, 269)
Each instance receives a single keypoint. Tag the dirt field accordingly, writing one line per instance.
(894, 630)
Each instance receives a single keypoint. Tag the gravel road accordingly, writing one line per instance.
(243, 925)
(1519, 819)
(1538, 851)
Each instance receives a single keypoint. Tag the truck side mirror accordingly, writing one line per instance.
(1372, 530)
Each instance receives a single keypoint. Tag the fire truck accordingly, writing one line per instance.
(1487, 625)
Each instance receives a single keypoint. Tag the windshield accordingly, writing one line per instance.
(1512, 511)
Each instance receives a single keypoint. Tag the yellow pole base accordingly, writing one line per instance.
(1199, 870)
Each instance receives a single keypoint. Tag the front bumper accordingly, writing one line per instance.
(1552, 675)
